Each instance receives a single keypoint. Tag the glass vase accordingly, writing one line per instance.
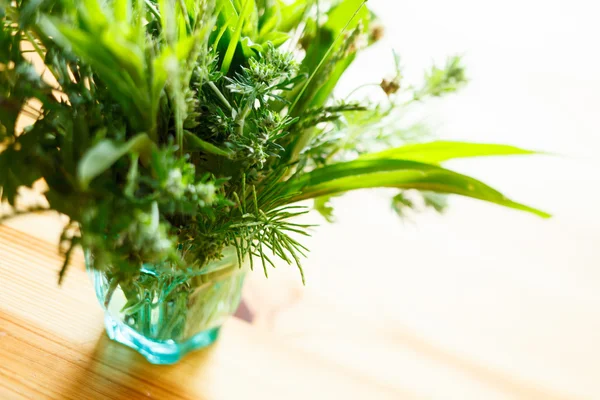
(166, 312)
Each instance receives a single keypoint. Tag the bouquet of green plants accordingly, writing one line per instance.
(170, 130)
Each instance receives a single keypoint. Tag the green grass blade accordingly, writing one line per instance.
(440, 151)
(237, 33)
(325, 57)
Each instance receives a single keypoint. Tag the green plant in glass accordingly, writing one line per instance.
(178, 137)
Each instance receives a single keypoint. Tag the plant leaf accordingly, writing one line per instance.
(342, 18)
(321, 63)
(276, 38)
(440, 151)
(105, 153)
(402, 174)
(292, 14)
(323, 206)
(236, 35)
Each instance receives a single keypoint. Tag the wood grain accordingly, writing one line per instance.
(302, 345)
(53, 346)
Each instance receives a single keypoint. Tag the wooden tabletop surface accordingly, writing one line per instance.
(53, 346)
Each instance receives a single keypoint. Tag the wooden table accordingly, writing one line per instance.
(304, 345)
(53, 345)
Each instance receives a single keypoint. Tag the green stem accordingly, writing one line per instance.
(145, 316)
(219, 95)
(114, 282)
(152, 7)
(168, 324)
(242, 119)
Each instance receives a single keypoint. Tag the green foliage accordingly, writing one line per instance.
(439, 81)
(105, 153)
(398, 173)
(167, 130)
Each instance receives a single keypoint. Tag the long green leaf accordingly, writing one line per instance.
(335, 20)
(344, 17)
(440, 151)
(227, 17)
(237, 33)
(342, 21)
(353, 168)
(403, 174)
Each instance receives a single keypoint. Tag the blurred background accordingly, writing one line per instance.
(482, 302)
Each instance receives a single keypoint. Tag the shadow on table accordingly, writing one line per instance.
(117, 372)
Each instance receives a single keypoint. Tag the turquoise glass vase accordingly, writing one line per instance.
(166, 312)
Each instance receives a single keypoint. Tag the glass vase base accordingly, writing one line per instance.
(157, 352)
